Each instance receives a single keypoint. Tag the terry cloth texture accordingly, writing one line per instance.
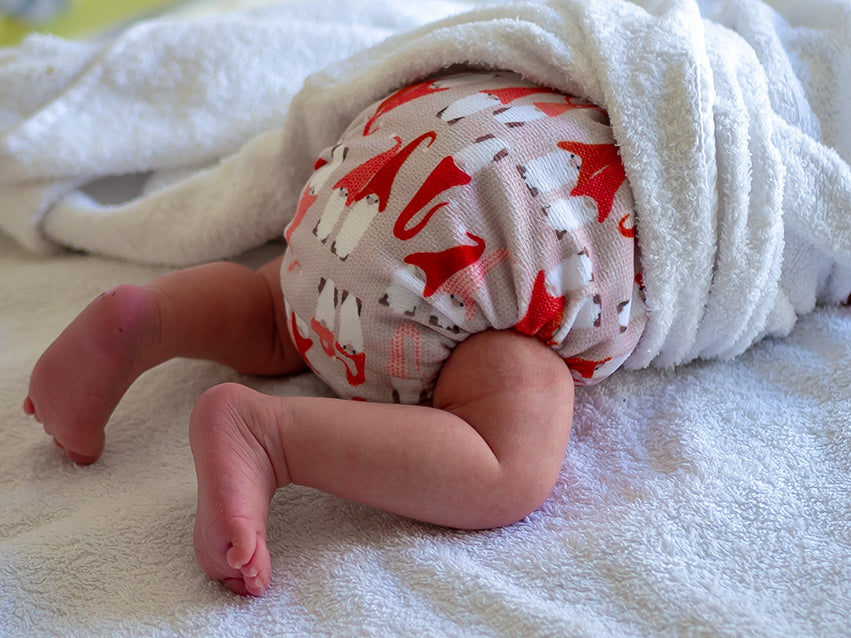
(712, 500)
(732, 124)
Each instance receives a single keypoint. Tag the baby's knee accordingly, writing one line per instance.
(518, 396)
(522, 491)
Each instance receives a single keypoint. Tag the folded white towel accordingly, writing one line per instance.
(711, 501)
(728, 187)
(170, 94)
(731, 132)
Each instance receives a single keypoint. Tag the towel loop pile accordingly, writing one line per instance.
(733, 125)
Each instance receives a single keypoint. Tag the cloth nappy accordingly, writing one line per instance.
(460, 204)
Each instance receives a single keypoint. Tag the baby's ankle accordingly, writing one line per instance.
(261, 419)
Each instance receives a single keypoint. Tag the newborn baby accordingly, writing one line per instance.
(457, 262)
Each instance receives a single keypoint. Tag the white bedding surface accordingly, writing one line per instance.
(710, 500)
(713, 500)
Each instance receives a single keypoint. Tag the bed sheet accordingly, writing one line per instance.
(714, 499)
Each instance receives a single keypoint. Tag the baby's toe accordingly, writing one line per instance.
(237, 586)
(257, 572)
(29, 408)
(241, 550)
(82, 448)
(242, 559)
(251, 557)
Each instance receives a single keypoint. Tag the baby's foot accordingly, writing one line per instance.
(81, 377)
(239, 464)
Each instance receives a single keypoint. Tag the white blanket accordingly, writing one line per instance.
(713, 499)
(735, 152)
(173, 98)
(735, 145)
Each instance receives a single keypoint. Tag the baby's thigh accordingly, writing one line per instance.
(517, 393)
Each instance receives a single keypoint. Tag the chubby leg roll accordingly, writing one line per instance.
(487, 454)
(219, 311)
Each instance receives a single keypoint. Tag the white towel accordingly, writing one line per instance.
(712, 501)
(165, 95)
(731, 137)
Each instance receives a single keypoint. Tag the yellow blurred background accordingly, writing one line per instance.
(76, 18)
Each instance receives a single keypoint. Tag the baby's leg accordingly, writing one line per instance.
(218, 311)
(486, 455)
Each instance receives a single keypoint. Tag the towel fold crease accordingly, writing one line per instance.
(732, 125)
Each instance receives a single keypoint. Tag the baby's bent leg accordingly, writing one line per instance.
(218, 311)
(487, 455)
(78, 381)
